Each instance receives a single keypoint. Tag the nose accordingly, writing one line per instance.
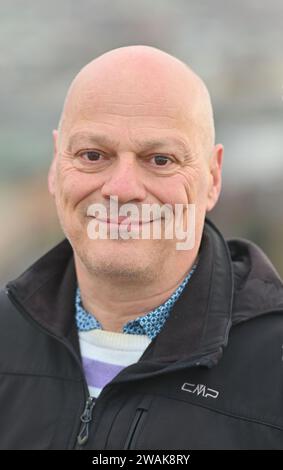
(125, 180)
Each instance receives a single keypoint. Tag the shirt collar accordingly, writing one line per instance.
(149, 324)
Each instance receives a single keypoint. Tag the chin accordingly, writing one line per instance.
(115, 259)
(116, 269)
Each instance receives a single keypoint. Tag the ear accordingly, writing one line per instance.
(215, 169)
(52, 169)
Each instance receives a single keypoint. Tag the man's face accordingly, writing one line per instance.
(143, 151)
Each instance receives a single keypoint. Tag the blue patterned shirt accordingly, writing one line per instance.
(149, 324)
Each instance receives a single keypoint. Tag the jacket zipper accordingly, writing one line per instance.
(86, 417)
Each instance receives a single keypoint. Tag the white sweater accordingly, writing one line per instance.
(106, 353)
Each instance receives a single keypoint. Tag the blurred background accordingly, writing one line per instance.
(235, 46)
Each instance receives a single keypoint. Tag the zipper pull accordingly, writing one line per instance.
(86, 418)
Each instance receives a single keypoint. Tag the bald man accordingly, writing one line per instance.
(143, 328)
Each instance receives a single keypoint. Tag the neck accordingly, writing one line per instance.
(114, 303)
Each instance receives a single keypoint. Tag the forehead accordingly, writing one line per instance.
(128, 134)
(92, 105)
(106, 117)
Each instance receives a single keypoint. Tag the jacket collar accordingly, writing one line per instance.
(258, 288)
(199, 322)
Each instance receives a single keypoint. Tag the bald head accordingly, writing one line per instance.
(142, 76)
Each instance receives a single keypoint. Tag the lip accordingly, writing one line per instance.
(123, 221)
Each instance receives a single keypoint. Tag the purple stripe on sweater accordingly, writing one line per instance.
(98, 373)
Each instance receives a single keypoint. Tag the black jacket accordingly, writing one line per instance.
(211, 379)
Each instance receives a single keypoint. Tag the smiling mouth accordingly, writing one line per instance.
(121, 220)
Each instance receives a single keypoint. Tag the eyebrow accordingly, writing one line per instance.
(93, 138)
(102, 139)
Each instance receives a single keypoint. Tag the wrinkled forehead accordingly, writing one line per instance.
(93, 100)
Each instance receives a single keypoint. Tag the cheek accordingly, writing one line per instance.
(174, 189)
(183, 188)
(75, 186)
(195, 183)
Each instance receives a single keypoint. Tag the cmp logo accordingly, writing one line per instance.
(199, 389)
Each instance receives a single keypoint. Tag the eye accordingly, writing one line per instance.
(91, 156)
(161, 160)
